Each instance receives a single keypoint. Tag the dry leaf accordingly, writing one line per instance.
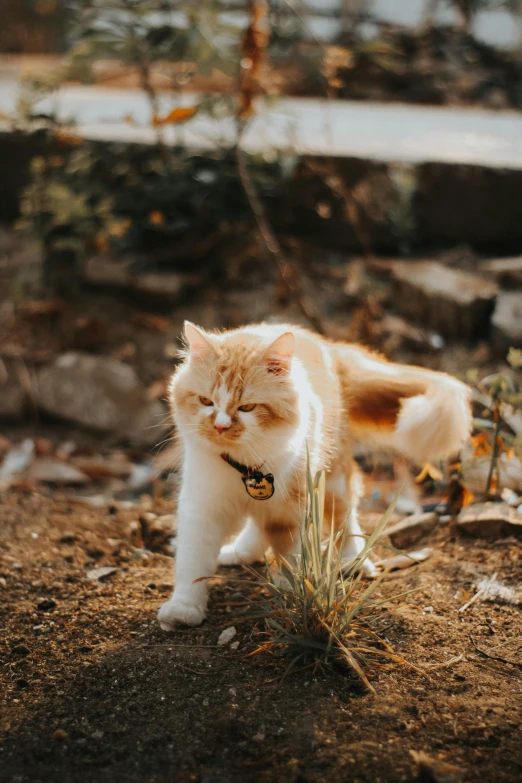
(181, 114)
(481, 445)
(68, 139)
(428, 472)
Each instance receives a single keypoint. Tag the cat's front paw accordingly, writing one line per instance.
(230, 556)
(367, 568)
(175, 611)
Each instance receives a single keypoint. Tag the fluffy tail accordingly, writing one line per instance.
(422, 414)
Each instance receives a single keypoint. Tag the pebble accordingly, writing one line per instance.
(60, 735)
(46, 604)
(226, 636)
(3, 582)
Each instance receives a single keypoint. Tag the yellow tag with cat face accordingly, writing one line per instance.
(260, 487)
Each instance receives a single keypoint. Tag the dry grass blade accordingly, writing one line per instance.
(323, 612)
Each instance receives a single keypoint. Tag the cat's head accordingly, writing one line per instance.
(237, 392)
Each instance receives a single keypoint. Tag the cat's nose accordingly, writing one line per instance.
(221, 427)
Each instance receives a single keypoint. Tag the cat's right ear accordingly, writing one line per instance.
(198, 342)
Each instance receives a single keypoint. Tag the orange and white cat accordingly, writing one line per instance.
(249, 403)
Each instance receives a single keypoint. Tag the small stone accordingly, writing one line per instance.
(97, 735)
(60, 735)
(99, 393)
(506, 271)
(3, 582)
(103, 572)
(490, 520)
(507, 321)
(52, 471)
(46, 605)
(226, 636)
(234, 645)
(409, 530)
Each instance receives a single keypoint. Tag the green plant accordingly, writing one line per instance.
(497, 429)
(319, 612)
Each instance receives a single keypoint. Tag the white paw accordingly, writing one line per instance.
(229, 556)
(175, 611)
(367, 568)
(280, 580)
(351, 550)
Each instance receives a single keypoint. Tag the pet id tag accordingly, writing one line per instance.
(258, 486)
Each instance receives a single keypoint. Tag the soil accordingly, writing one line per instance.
(94, 692)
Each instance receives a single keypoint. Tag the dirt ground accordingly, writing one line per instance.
(94, 691)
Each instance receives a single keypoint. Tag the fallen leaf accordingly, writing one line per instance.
(181, 114)
(157, 218)
(432, 770)
(428, 471)
(68, 139)
(481, 445)
(150, 321)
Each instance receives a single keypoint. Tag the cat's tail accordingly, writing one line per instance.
(422, 414)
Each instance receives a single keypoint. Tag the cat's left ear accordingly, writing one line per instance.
(279, 354)
(198, 341)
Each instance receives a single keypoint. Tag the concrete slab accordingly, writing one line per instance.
(382, 132)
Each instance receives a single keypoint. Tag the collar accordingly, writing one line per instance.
(258, 485)
(245, 470)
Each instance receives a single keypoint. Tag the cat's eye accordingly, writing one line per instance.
(206, 401)
(247, 408)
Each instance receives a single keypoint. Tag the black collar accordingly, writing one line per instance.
(245, 470)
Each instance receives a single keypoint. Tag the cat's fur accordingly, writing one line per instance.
(308, 393)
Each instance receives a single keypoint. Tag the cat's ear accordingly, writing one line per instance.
(279, 354)
(198, 341)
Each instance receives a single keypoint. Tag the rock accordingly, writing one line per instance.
(507, 321)
(52, 471)
(409, 530)
(99, 393)
(433, 770)
(226, 636)
(101, 573)
(15, 461)
(12, 394)
(107, 271)
(453, 302)
(490, 520)
(46, 604)
(475, 471)
(60, 735)
(506, 271)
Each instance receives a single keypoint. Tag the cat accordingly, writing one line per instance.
(249, 405)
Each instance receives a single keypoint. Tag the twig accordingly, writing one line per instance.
(481, 592)
(287, 272)
(494, 455)
(486, 654)
(443, 665)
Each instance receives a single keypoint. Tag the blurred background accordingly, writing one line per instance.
(353, 166)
